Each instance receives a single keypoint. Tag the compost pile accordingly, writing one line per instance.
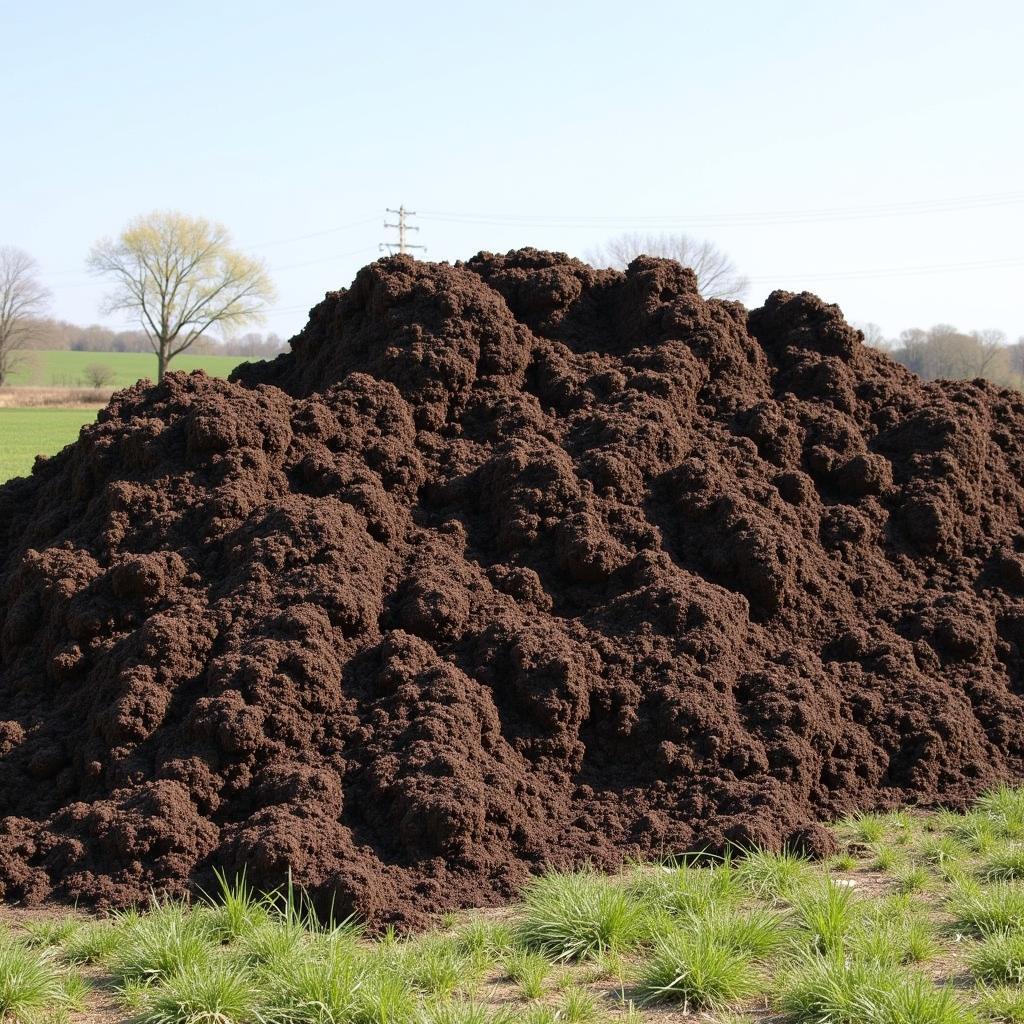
(508, 564)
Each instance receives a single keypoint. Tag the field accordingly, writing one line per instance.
(24, 433)
(63, 369)
(919, 919)
(50, 379)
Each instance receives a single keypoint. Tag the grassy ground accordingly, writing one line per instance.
(24, 433)
(61, 369)
(920, 920)
(47, 379)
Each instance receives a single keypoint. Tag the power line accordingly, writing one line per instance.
(934, 268)
(314, 234)
(403, 227)
(767, 218)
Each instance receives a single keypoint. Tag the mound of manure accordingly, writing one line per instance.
(508, 564)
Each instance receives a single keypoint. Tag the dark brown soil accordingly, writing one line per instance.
(508, 564)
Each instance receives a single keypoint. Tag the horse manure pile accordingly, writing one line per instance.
(508, 564)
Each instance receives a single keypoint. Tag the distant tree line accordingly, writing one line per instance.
(49, 334)
(943, 351)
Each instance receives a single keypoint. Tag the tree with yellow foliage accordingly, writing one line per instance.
(180, 277)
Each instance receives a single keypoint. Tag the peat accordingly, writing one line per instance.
(507, 564)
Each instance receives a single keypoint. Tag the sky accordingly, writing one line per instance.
(870, 152)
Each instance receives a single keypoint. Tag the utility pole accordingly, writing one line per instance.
(403, 226)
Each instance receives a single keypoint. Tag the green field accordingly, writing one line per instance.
(25, 433)
(62, 369)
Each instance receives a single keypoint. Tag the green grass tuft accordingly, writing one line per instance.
(529, 971)
(467, 1012)
(756, 933)
(867, 828)
(834, 990)
(51, 931)
(30, 986)
(579, 916)
(162, 942)
(1005, 864)
(578, 1006)
(692, 968)
(998, 958)
(235, 910)
(93, 943)
(912, 878)
(213, 992)
(826, 915)
(773, 876)
(993, 908)
(683, 891)
(1003, 1003)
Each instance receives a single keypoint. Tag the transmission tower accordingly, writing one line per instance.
(403, 227)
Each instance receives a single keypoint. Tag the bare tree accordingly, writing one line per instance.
(874, 337)
(98, 375)
(22, 301)
(717, 277)
(180, 277)
(991, 344)
(944, 352)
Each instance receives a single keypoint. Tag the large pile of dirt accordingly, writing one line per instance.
(508, 564)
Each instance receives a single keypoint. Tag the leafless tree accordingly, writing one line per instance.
(874, 337)
(944, 352)
(991, 344)
(22, 301)
(99, 375)
(717, 276)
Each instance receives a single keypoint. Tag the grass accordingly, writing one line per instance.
(168, 940)
(26, 433)
(580, 915)
(983, 909)
(211, 993)
(826, 914)
(696, 969)
(726, 942)
(999, 958)
(833, 990)
(30, 985)
(64, 369)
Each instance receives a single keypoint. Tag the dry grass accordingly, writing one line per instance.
(54, 398)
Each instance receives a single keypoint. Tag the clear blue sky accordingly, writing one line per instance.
(554, 124)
